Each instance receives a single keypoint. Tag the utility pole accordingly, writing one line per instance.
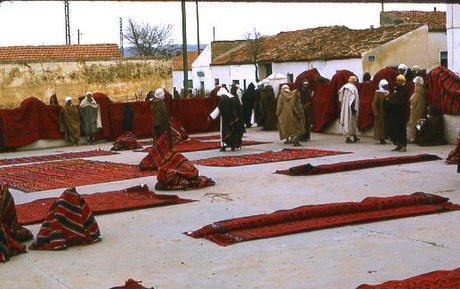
(184, 47)
(121, 38)
(197, 27)
(78, 36)
(67, 22)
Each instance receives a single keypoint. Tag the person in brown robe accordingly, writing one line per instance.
(291, 119)
(305, 95)
(417, 103)
(267, 107)
(69, 121)
(379, 112)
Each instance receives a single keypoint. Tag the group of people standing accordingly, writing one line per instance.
(75, 119)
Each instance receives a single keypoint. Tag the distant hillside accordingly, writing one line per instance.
(131, 52)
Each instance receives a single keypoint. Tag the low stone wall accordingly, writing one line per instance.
(121, 79)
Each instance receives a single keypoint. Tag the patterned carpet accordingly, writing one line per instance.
(266, 157)
(68, 173)
(102, 203)
(56, 157)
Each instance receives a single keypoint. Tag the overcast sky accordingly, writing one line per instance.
(42, 23)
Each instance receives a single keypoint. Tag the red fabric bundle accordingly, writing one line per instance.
(443, 279)
(320, 102)
(444, 90)
(31, 121)
(309, 75)
(131, 284)
(314, 217)
(366, 94)
(127, 141)
(69, 222)
(11, 233)
(179, 134)
(192, 113)
(308, 169)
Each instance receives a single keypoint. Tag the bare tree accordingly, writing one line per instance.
(255, 41)
(149, 40)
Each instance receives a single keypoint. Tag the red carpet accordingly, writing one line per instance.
(102, 203)
(197, 145)
(443, 279)
(314, 217)
(308, 169)
(265, 157)
(69, 173)
(55, 157)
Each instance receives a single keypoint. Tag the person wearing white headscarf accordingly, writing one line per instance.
(417, 103)
(349, 111)
(160, 119)
(69, 121)
(231, 120)
(291, 118)
(379, 113)
(90, 117)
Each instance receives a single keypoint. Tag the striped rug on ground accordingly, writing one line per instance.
(315, 217)
(68, 173)
(308, 169)
(133, 198)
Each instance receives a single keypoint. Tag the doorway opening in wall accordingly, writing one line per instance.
(443, 58)
(201, 92)
(265, 69)
(290, 77)
(216, 81)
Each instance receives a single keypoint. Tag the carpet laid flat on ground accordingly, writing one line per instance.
(56, 157)
(308, 169)
(314, 217)
(442, 279)
(266, 157)
(68, 173)
(102, 203)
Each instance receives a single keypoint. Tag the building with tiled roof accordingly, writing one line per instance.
(329, 49)
(59, 52)
(436, 20)
(178, 61)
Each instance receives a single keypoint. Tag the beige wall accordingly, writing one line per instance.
(414, 48)
(119, 79)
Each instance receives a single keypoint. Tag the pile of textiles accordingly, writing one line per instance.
(127, 141)
(131, 284)
(69, 222)
(175, 172)
(454, 155)
(443, 90)
(442, 279)
(11, 233)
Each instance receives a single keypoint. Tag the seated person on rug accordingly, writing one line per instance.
(160, 120)
(430, 130)
(11, 233)
(127, 141)
(69, 121)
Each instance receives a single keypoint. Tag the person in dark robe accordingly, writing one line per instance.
(69, 121)
(366, 77)
(257, 114)
(232, 124)
(305, 95)
(53, 99)
(176, 94)
(395, 106)
(160, 118)
(430, 130)
(90, 117)
(267, 108)
(248, 98)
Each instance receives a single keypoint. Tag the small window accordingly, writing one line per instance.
(190, 83)
(290, 77)
(216, 81)
(443, 58)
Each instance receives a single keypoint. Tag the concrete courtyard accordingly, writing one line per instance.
(149, 245)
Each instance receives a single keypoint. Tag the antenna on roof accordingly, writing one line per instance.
(214, 33)
(383, 9)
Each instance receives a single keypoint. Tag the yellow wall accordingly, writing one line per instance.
(120, 79)
(413, 48)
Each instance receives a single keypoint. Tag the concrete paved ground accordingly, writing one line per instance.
(148, 244)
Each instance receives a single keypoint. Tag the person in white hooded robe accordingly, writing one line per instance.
(90, 117)
(349, 110)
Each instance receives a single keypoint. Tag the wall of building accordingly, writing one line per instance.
(437, 42)
(120, 79)
(410, 49)
(201, 66)
(453, 36)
